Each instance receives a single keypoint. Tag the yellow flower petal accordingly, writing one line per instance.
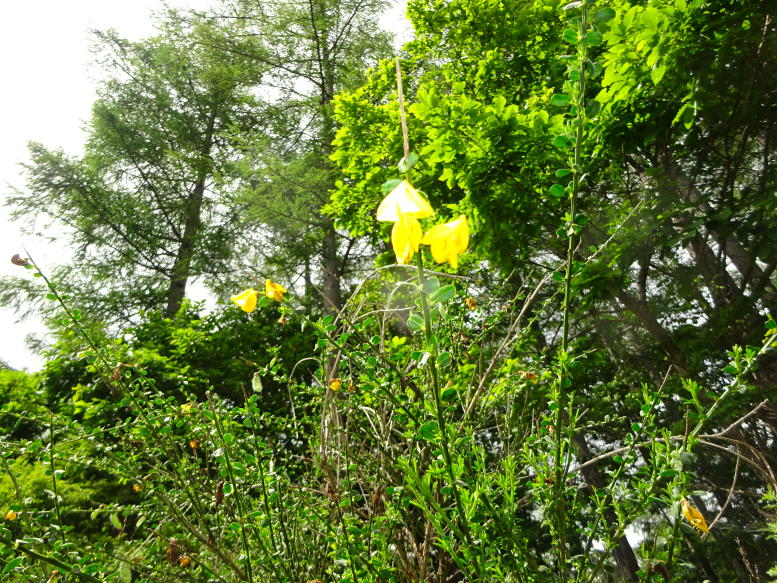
(693, 516)
(448, 240)
(246, 300)
(405, 238)
(274, 290)
(403, 200)
(11, 515)
(335, 384)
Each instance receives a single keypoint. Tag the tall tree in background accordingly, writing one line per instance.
(149, 206)
(310, 50)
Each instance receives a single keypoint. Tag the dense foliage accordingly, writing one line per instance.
(586, 394)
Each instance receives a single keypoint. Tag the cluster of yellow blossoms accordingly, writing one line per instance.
(404, 206)
(246, 300)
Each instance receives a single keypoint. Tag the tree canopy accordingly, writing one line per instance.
(561, 368)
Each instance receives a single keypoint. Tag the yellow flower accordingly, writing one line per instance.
(405, 238)
(471, 303)
(246, 300)
(11, 515)
(403, 200)
(186, 408)
(335, 384)
(694, 516)
(448, 241)
(185, 561)
(194, 444)
(274, 290)
(137, 488)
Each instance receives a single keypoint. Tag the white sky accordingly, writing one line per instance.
(47, 94)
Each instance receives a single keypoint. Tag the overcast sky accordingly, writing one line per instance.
(48, 92)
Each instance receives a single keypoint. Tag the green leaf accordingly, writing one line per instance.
(561, 142)
(449, 395)
(390, 185)
(657, 74)
(593, 38)
(431, 285)
(405, 164)
(11, 565)
(604, 15)
(444, 359)
(570, 36)
(115, 522)
(560, 100)
(443, 294)
(557, 190)
(429, 431)
(563, 172)
(415, 322)
(125, 573)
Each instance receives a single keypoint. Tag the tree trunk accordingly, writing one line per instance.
(183, 259)
(641, 310)
(625, 559)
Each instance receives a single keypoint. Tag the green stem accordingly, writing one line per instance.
(561, 397)
(17, 546)
(431, 345)
(237, 495)
(54, 488)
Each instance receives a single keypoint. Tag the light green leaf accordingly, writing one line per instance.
(443, 294)
(415, 322)
(115, 522)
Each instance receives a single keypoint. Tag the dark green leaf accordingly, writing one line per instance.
(444, 359)
(11, 565)
(606, 14)
(593, 38)
(449, 395)
(429, 431)
(570, 36)
(557, 190)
